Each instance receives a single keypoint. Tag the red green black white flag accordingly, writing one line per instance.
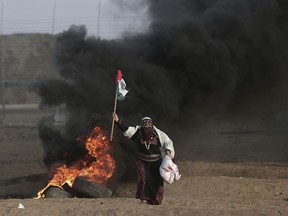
(121, 90)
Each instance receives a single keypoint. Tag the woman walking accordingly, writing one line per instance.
(152, 145)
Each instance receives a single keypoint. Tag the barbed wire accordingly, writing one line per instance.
(107, 25)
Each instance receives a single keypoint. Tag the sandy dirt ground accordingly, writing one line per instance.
(205, 188)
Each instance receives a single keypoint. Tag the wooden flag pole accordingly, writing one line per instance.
(113, 122)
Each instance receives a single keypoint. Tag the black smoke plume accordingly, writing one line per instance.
(202, 68)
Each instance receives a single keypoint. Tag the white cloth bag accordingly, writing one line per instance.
(168, 170)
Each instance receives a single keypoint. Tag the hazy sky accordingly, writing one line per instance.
(116, 16)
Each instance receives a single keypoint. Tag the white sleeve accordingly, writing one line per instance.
(166, 143)
(130, 131)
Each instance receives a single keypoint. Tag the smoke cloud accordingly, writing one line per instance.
(200, 65)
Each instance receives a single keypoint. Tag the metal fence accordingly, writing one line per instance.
(26, 47)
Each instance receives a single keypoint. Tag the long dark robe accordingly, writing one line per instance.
(150, 183)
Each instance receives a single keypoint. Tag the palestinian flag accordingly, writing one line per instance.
(121, 86)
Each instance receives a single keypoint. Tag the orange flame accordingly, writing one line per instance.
(98, 170)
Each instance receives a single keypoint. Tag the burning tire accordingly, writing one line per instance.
(90, 189)
(55, 192)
